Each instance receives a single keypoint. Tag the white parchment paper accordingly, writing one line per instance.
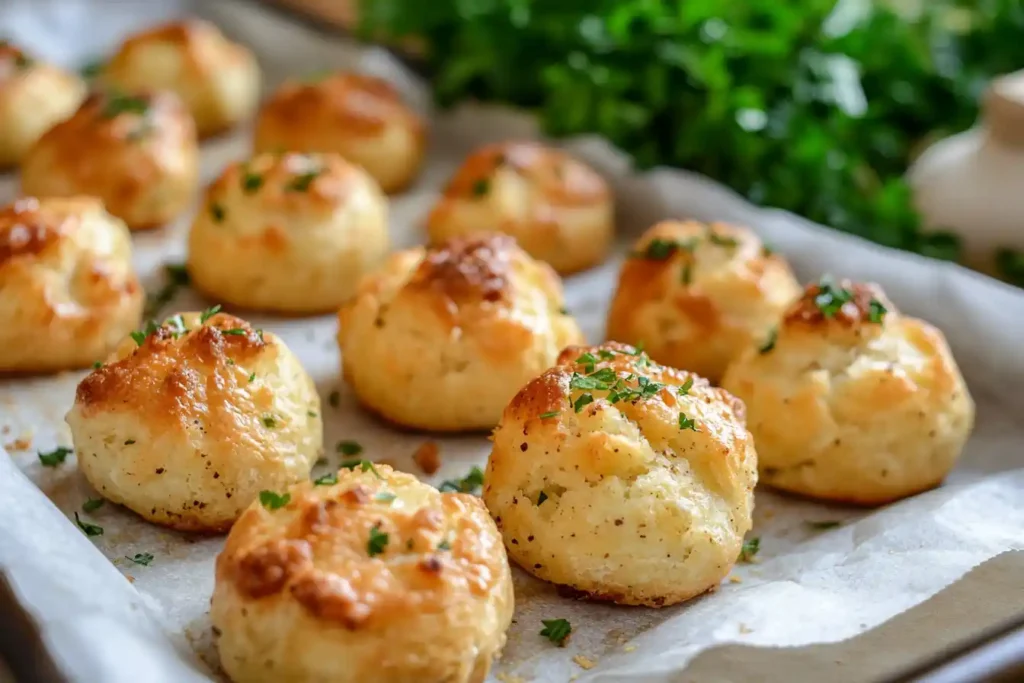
(809, 585)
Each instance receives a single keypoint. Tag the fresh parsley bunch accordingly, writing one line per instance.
(810, 105)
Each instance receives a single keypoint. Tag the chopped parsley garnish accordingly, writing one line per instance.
(687, 423)
(541, 498)
(385, 497)
(217, 212)
(722, 240)
(252, 376)
(329, 479)
(209, 313)
(824, 524)
(876, 311)
(445, 544)
(268, 421)
(583, 401)
(563, 311)
(234, 332)
(556, 630)
(349, 448)
(481, 187)
(119, 103)
(55, 457)
(334, 399)
(684, 389)
(143, 559)
(660, 249)
(468, 484)
(377, 543)
(686, 274)
(140, 335)
(301, 183)
(92, 69)
(92, 505)
(364, 465)
(769, 343)
(177, 277)
(97, 365)
(273, 501)
(251, 182)
(311, 413)
(749, 550)
(545, 416)
(830, 298)
(89, 529)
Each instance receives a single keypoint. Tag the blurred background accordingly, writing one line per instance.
(814, 106)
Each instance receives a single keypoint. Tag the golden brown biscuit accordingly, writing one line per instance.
(695, 295)
(301, 229)
(850, 401)
(189, 421)
(362, 118)
(374, 578)
(33, 97)
(441, 338)
(218, 80)
(622, 479)
(558, 209)
(137, 153)
(68, 292)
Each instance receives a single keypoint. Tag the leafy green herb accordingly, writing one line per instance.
(685, 387)
(660, 249)
(824, 524)
(301, 183)
(251, 182)
(269, 421)
(541, 498)
(830, 298)
(722, 240)
(311, 413)
(367, 466)
(445, 544)
(481, 187)
(143, 559)
(88, 528)
(349, 448)
(750, 548)
(273, 501)
(876, 311)
(563, 311)
(176, 276)
(769, 343)
(55, 457)
(217, 212)
(556, 630)
(468, 484)
(92, 504)
(686, 273)
(120, 103)
(377, 543)
(97, 365)
(549, 414)
(234, 332)
(687, 423)
(209, 313)
(334, 399)
(385, 497)
(582, 401)
(91, 69)
(252, 376)
(329, 479)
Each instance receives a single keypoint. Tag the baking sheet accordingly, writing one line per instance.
(808, 586)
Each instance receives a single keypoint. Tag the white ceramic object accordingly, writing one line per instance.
(972, 183)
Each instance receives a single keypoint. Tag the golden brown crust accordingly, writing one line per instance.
(200, 43)
(593, 463)
(360, 117)
(696, 295)
(73, 319)
(853, 402)
(290, 181)
(458, 327)
(557, 208)
(409, 582)
(137, 153)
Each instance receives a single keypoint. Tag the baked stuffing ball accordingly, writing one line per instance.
(362, 118)
(33, 97)
(558, 209)
(850, 401)
(695, 295)
(374, 578)
(622, 479)
(137, 153)
(218, 80)
(68, 292)
(187, 422)
(301, 230)
(441, 338)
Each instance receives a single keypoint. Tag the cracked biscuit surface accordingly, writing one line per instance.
(852, 401)
(621, 479)
(374, 577)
